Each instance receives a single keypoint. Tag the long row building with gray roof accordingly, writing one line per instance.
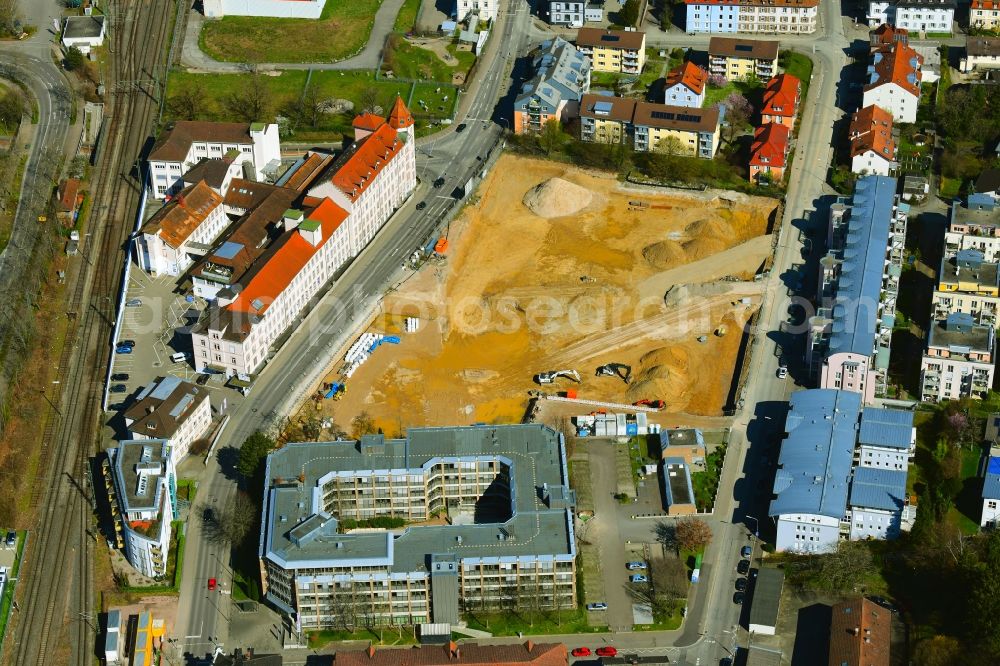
(841, 472)
(488, 524)
(850, 335)
(562, 77)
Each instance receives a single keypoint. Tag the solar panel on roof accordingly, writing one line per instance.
(609, 38)
(663, 115)
(688, 118)
(744, 47)
(603, 108)
(229, 250)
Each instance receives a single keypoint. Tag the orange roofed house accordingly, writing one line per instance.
(769, 152)
(873, 147)
(293, 237)
(685, 86)
(181, 231)
(984, 14)
(894, 81)
(860, 631)
(452, 654)
(781, 100)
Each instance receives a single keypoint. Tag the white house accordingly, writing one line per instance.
(685, 86)
(873, 146)
(486, 10)
(145, 493)
(878, 497)
(991, 494)
(83, 32)
(173, 410)
(181, 231)
(914, 15)
(980, 53)
(751, 16)
(218, 174)
(189, 141)
(886, 439)
(307, 9)
(894, 78)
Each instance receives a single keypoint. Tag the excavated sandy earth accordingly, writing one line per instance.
(575, 284)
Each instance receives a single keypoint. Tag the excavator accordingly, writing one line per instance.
(552, 375)
(619, 370)
(646, 402)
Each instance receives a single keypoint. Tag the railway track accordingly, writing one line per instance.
(56, 591)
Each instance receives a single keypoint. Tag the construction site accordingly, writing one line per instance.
(556, 281)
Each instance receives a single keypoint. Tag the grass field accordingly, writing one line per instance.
(339, 33)
(407, 17)
(799, 66)
(8, 589)
(407, 61)
(536, 622)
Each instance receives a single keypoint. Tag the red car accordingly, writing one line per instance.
(211, 584)
(581, 652)
(606, 651)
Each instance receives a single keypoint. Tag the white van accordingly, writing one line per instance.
(178, 357)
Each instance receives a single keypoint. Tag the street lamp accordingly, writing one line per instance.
(756, 525)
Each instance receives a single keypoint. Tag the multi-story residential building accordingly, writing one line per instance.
(181, 231)
(984, 14)
(894, 78)
(873, 146)
(980, 53)
(214, 172)
(508, 541)
(990, 515)
(486, 10)
(822, 492)
(886, 439)
(685, 131)
(914, 15)
(974, 225)
(959, 359)
(741, 59)
(781, 100)
(173, 410)
(851, 334)
(562, 77)
(887, 36)
(967, 283)
(860, 632)
(606, 119)
(144, 501)
(574, 13)
(621, 51)
(189, 141)
(308, 9)
(769, 153)
(452, 654)
(755, 16)
(685, 86)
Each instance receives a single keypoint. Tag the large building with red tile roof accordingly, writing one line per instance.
(860, 632)
(873, 147)
(781, 100)
(453, 654)
(887, 35)
(769, 152)
(894, 81)
(685, 86)
(180, 232)
(984, 14)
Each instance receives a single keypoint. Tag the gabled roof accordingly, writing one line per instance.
(358, 166)
(163, 406)
(770, 145)
(682, 118)
(982, 46)
(400, 116)
(174, 144)
(878, 488)
(871, 129)
(988, 181)
(887, 34)
(781, 96)
(367, 121)
(452, 654)
(211, 170)
(301, 175)
(987, 5)
(734, 47)
(606, 107)
(562, 73)
(610, 39)
(689, 75)
(759, 3)
(897, 64)
(68, 190)
(892, 428)
(177, 220)
(859, 634)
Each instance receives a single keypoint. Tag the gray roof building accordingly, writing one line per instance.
(960, 333)
(874, 488)
(162, 406)
(766, 600)
(991, 484)
(562, 74)
(886, 427)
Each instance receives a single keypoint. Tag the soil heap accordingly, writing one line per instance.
(557, 198)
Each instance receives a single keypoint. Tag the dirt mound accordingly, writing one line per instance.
(707, 237)
(662, 375)
(664, 254)
(557, 198)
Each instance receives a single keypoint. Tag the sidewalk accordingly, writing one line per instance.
(194, 58)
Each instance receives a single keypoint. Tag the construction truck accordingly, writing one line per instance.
(620, 370)
(552, 375)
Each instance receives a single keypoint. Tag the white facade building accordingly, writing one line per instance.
(181, 231)
(486, 10)
(894, 78)
(188, 142)
(145, 492)
(752, 16)
(685, 86)
(914, 15)
(307, 9)
(83, 32)
(959, 361)
(173, 410)
(878, 499)
(991, 494)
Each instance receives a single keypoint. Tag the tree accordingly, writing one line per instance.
(670, 145)
(74, 60)
(693, 533)
(189, 102)
(252, 102)
(368, 100)
(937, 651)
(312, 428)
(738, 112)
(230, 525)
(252, 454)
(717, 81)
(312, 105)
(362, 424)
(629, 13)
(666, 535)
(12, 107)
(552, 136)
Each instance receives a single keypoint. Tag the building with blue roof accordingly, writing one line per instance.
(991, 493)
(850, 336)
(959, 359)
(887, 439)
(171, 409)
(562, 77)
(828, 432)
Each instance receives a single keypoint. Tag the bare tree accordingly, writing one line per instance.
(231, 524)
(252, 102)
(693, 533)
(189, 102)
(369, 100)
(362, 424)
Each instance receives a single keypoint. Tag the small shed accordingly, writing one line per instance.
(766, 599)
(83, 32)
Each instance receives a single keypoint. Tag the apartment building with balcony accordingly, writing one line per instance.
(144, 501)
(506, 540)
(984, 14)
(850, 336)
(990, 515)
(685, 86)
(606, 119)
(974, 225)
(894, 77)
(562, 78)
(959, 360)
(769, 153)
(823, 491)
(781, 100)
(616, 51)
(691, 132)
(182, 231)
(739, 59)
(967, 283)
(170, 409)
(913, 15)
(873, 144)
(752, 16)
(187, 142)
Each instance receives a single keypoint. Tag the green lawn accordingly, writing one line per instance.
(538, 622)
(383, 636)
(707, 483)
(798, 65)
(406, 19)
(339, 33)
(408, 61)
(8, 589)
(950, 187)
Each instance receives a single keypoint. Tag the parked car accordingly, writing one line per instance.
(599, 606)
(632, 566)
(11, 539)
(746, 552)
(123, 349)
(119, 388)
(607, 651)
(581, 652)
(212, 584)
(133, 303)
(202, 379)
(126, 343)
(741, 584)
(738, 598)
(638, 578)
(120, 377)
(421, 205)
(782, 372)
(743, 567)
(461, 128)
